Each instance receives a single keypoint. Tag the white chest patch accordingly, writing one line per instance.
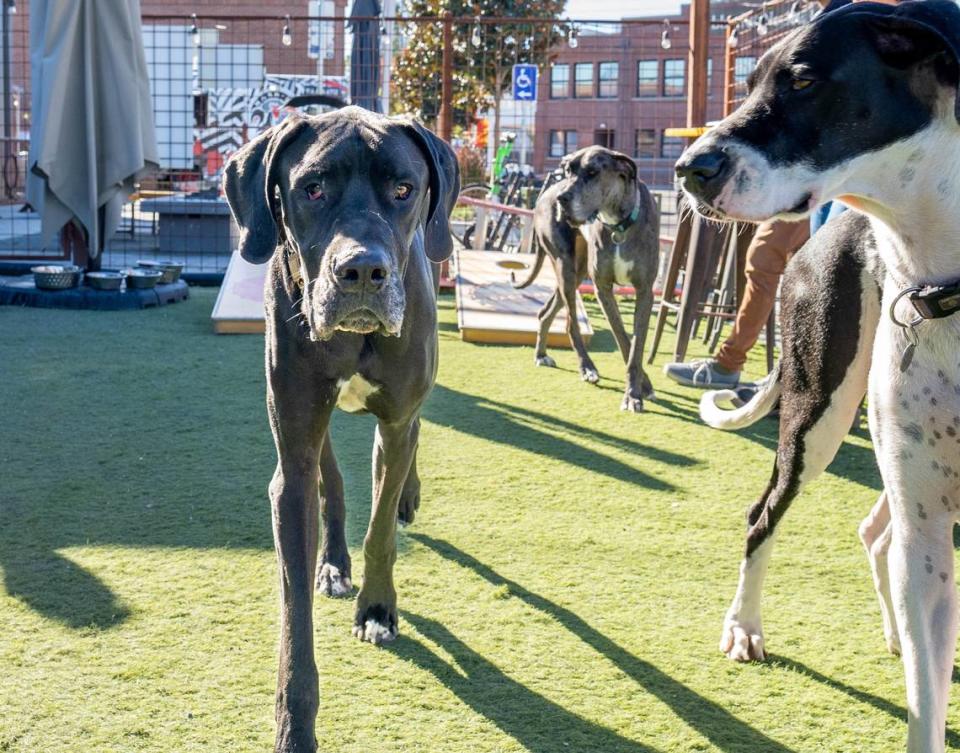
(353, 393)
(621, 269)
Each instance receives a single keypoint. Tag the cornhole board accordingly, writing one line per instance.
(239, 306)
(491, 310)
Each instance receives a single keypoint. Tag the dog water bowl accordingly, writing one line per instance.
(171, 272)
(143, 279)
(56, 276)
(511, 264)
(104, 280)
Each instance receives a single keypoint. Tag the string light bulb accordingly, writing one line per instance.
(572, 41)
(732, 39)
(763, 25)
(475, 39)
(194, 30)
(665, 42)
(286, 38)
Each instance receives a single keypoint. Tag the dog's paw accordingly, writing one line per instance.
(589, 374)
(375, 623)
(545, 361)
(647, 392)
(742, 642)
(332, 581)
(893, 643)
(409, 504)
(632, 403)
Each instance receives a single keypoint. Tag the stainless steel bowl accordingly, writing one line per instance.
(143, 279)
(56, 276)
(171, 271)
(104, 280)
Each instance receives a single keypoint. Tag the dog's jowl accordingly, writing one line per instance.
(349, 208)
(862, 106)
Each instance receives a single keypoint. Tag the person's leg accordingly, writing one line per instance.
(767, 257)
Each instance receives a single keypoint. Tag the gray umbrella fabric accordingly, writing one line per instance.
(93, 129)
(365, 54)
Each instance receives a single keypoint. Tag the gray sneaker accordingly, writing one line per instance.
(705, 374)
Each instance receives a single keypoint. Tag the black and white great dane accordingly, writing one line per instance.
(862, 106)
(350, 209)
(599, 220)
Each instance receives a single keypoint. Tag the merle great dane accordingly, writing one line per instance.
(349, 208)
(601, 221)
(862, 105)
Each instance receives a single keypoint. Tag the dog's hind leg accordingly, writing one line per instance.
(876, 533)
(548, 312)
(394, 446)
(410, 496)
(333, 573)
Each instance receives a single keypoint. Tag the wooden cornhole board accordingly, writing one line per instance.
(239, 306)
(491, 310)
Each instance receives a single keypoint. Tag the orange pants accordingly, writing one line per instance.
(772, 247)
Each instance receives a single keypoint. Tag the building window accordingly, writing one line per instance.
(583, 84)
(609, 80)
(645, 143)
(671, 147)
(648, 76)
(674, 75)
(743, 68)
(605, 137)
(560, 81)
(562, 143)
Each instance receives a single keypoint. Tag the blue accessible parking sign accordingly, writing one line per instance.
(525, 82)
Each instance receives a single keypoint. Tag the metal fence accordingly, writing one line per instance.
(218, 81)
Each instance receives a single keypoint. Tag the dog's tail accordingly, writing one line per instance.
(537, 265)
(759, 406)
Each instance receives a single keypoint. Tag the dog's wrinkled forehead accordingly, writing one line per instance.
(591, 159)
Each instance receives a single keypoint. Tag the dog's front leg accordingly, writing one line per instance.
(294, 496)
(924, 599)
(638, 383)
(394, 446)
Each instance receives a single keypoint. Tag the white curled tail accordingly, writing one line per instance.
(759, 406)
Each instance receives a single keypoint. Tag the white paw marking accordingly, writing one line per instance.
(742, 643)
(373, 632)
(332, 582)
(590, 375)
(546, 361)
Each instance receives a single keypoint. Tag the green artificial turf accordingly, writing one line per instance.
(562, 588)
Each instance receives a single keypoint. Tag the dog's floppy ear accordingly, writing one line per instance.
(917, 32)
(249, 181)
(444, 190)
(627, 165)
(571, 163)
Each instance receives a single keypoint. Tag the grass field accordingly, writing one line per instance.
(561, 590)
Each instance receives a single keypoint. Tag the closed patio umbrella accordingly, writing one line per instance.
(365, 54)
(93, 130)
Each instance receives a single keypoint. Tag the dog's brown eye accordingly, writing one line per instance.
(799, 84)
(314, 191)
(402, 192)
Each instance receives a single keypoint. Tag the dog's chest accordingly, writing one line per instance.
(353, 393)
(622, 268)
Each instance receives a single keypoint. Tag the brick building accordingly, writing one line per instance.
(621, 86)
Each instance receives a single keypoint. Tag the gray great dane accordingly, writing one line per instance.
(349, 208)
(601, 221)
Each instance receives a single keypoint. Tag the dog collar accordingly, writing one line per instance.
(293, 264)
(930, 302)
(620, 229)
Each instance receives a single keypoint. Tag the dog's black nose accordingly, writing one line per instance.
(364, 272)
(701, 170)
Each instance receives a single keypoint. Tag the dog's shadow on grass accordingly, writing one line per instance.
(536, 432)
(723, 729)
(538, 724)
(882, 704)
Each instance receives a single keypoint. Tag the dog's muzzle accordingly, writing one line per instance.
(702, 174)
(358, 292)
